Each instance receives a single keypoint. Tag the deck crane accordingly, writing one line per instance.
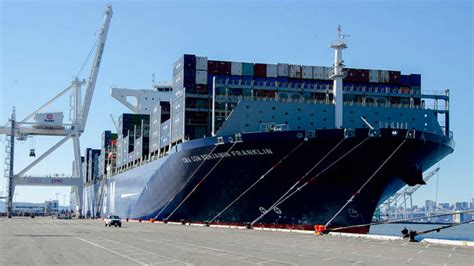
(78, 116)
(405, 193)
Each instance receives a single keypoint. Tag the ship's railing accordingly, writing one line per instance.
(300, 100)
(434, 92)
(450, 133)
(324, 87)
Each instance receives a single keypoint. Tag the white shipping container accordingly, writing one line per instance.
(307, 72)
(236, 68)
(201, 77)
(201, 63)
(318, 72)
(384, 76)
(295, 71)
(327, 73)
(374, 76)
(49, 120)
(282, 70)
(177, 80)
(272, 71)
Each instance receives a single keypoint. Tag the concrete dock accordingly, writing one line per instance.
(49, 241)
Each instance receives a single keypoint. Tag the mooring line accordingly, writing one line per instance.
(320, 173)
(258, 180)
(366, 182)
(286, 196)
(185, 183)
(399, 220)
(199, 183)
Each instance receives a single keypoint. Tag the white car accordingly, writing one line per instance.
(113, 220)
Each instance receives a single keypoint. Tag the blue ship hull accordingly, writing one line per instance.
(167, 188)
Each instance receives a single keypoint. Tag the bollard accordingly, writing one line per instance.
(319, 229)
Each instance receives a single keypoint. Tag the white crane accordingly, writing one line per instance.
(405, 193)
(78, 116)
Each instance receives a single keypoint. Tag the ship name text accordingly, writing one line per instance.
(218, 155)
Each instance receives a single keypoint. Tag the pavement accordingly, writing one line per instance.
(47, 241)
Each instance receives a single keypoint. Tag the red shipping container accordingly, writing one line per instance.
(271, 94)
(357, 75)
(260, 70)
(201, 89)
(363, 75)
(224, 68)
(212, 67)
(394, 77)
(351, 75)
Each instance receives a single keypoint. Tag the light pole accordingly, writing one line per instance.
(64, 200)
(57, 202)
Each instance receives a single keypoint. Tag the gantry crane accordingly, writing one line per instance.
(78, 115)
(405, 193)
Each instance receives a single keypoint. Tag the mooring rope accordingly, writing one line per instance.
(187, 180)
(398, 221)
(199, 183)
(258, 180)
(366, 182)
(285, 196)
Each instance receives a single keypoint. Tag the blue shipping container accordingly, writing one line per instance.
(187, 61)
(405, 80)
(415, 80)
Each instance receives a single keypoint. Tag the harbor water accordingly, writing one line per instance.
(462, 232)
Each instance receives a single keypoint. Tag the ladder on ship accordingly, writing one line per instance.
(6, 172)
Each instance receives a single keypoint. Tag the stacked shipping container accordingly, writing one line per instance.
(108, 151)
(130, 128)
(272, 78)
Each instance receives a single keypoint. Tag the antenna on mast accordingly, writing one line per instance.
(341, 37)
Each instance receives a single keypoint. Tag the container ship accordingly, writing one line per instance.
(267, 145)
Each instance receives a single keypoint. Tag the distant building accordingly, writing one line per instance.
(27, 208)
(459, 206)
(430, 205)
(51, 206)
(444, 206)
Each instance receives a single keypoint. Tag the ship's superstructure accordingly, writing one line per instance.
(268, 144)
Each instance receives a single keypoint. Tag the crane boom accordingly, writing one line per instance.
(406, 191)
(95, 67)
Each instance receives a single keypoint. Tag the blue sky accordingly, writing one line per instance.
(44, 43)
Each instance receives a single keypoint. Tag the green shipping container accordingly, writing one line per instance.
(247, 69)
(416, 89)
